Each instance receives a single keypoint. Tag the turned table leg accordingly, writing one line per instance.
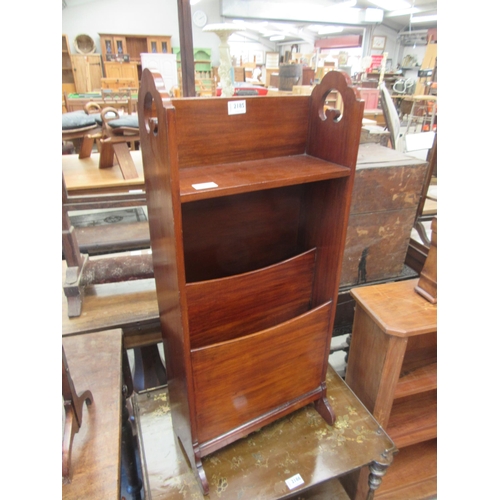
(377, 472)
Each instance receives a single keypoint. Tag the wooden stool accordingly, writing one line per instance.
(114, 142)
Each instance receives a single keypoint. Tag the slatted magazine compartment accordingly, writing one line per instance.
(256, 370)
(248, 214)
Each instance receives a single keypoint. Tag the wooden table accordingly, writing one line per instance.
(131, 306)
(257, 467)
(83, 175)
(95, 363)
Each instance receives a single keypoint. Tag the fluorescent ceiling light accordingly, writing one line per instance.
(194, 2)
(374, 15)
(391, 4)
(403, 12)
(345, 4)
(424, 19)
(276, 38)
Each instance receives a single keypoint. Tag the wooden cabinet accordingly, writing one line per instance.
(87, 72)
(159, 44)
(204, 75)
(68, 81)
(133, 45)
(248, 202)
(122, 53)
(113, 45)
(392, 368)
(123, 71)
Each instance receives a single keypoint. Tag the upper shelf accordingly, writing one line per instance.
(197, 183)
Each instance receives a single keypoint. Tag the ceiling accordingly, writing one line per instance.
(313, 19)
(401, 22)
(308, 20)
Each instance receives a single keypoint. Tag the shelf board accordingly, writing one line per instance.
(420, 380)
(413, 474)
(254, 175)
(413, 419)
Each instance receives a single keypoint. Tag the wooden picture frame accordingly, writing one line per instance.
(378, 42)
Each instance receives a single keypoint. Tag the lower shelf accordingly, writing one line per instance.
(241, 381)
(413, 474)
(413, 419)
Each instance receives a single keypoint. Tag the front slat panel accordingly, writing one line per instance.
(240, 380)
(227, 308)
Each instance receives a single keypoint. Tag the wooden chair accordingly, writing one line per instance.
(120, 98)
(391, 117)
(117, 133)
(415, 144)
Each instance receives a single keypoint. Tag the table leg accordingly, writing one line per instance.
(128, 457)
(149, 370)
(377, 472)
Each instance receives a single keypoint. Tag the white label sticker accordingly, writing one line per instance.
(294, 481)
(236, 107)
(205, 185)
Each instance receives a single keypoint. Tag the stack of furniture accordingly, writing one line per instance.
(248, 202)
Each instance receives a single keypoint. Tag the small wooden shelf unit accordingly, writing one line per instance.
(248, 215)
(392, 368)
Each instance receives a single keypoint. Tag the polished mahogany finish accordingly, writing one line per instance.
(248, 215)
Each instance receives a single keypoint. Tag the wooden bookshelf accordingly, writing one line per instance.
(248, 210)
(392, 368)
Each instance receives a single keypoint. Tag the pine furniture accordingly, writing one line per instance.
(392, 368)
(134, 45)
(87, 72)
(68, 80)
(115, 46)
(248, 202)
